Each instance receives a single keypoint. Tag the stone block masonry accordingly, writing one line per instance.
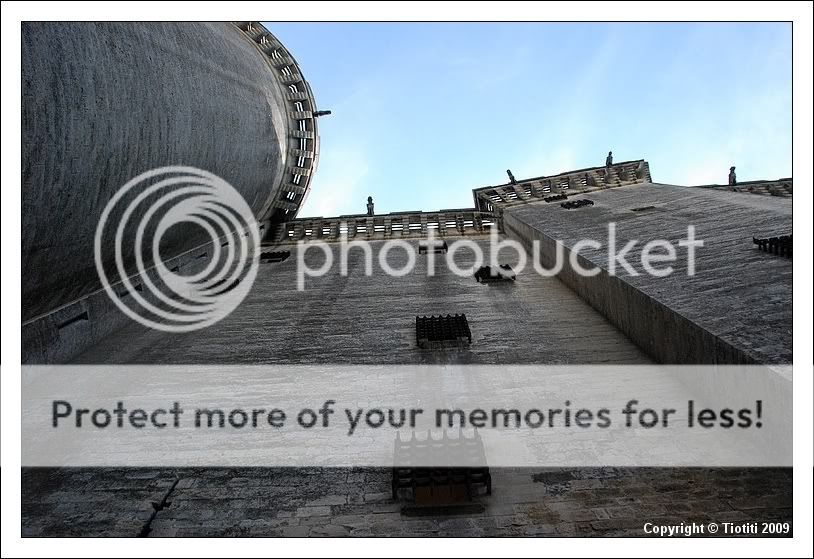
(735, 309)
(356, 502)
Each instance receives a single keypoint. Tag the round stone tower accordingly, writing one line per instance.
(105, 102)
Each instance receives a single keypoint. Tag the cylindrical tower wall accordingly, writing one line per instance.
(104, 102)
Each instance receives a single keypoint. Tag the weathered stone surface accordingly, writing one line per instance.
(735, 309)
(111, 503)
(359, 319)
(110, 100)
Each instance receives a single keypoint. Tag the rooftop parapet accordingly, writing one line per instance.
(479, 220)
(491, 198)
(399, 225)
(779, 187)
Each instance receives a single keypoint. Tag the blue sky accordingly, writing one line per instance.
(424, 112)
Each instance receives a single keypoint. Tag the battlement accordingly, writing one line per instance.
(466, 221)
(397, 225)
(779, 187)
(489, 204)
(490, 198)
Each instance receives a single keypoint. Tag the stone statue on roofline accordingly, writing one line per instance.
(370, 205)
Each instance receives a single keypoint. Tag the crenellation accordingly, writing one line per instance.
(394, 225)
(571, 182)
